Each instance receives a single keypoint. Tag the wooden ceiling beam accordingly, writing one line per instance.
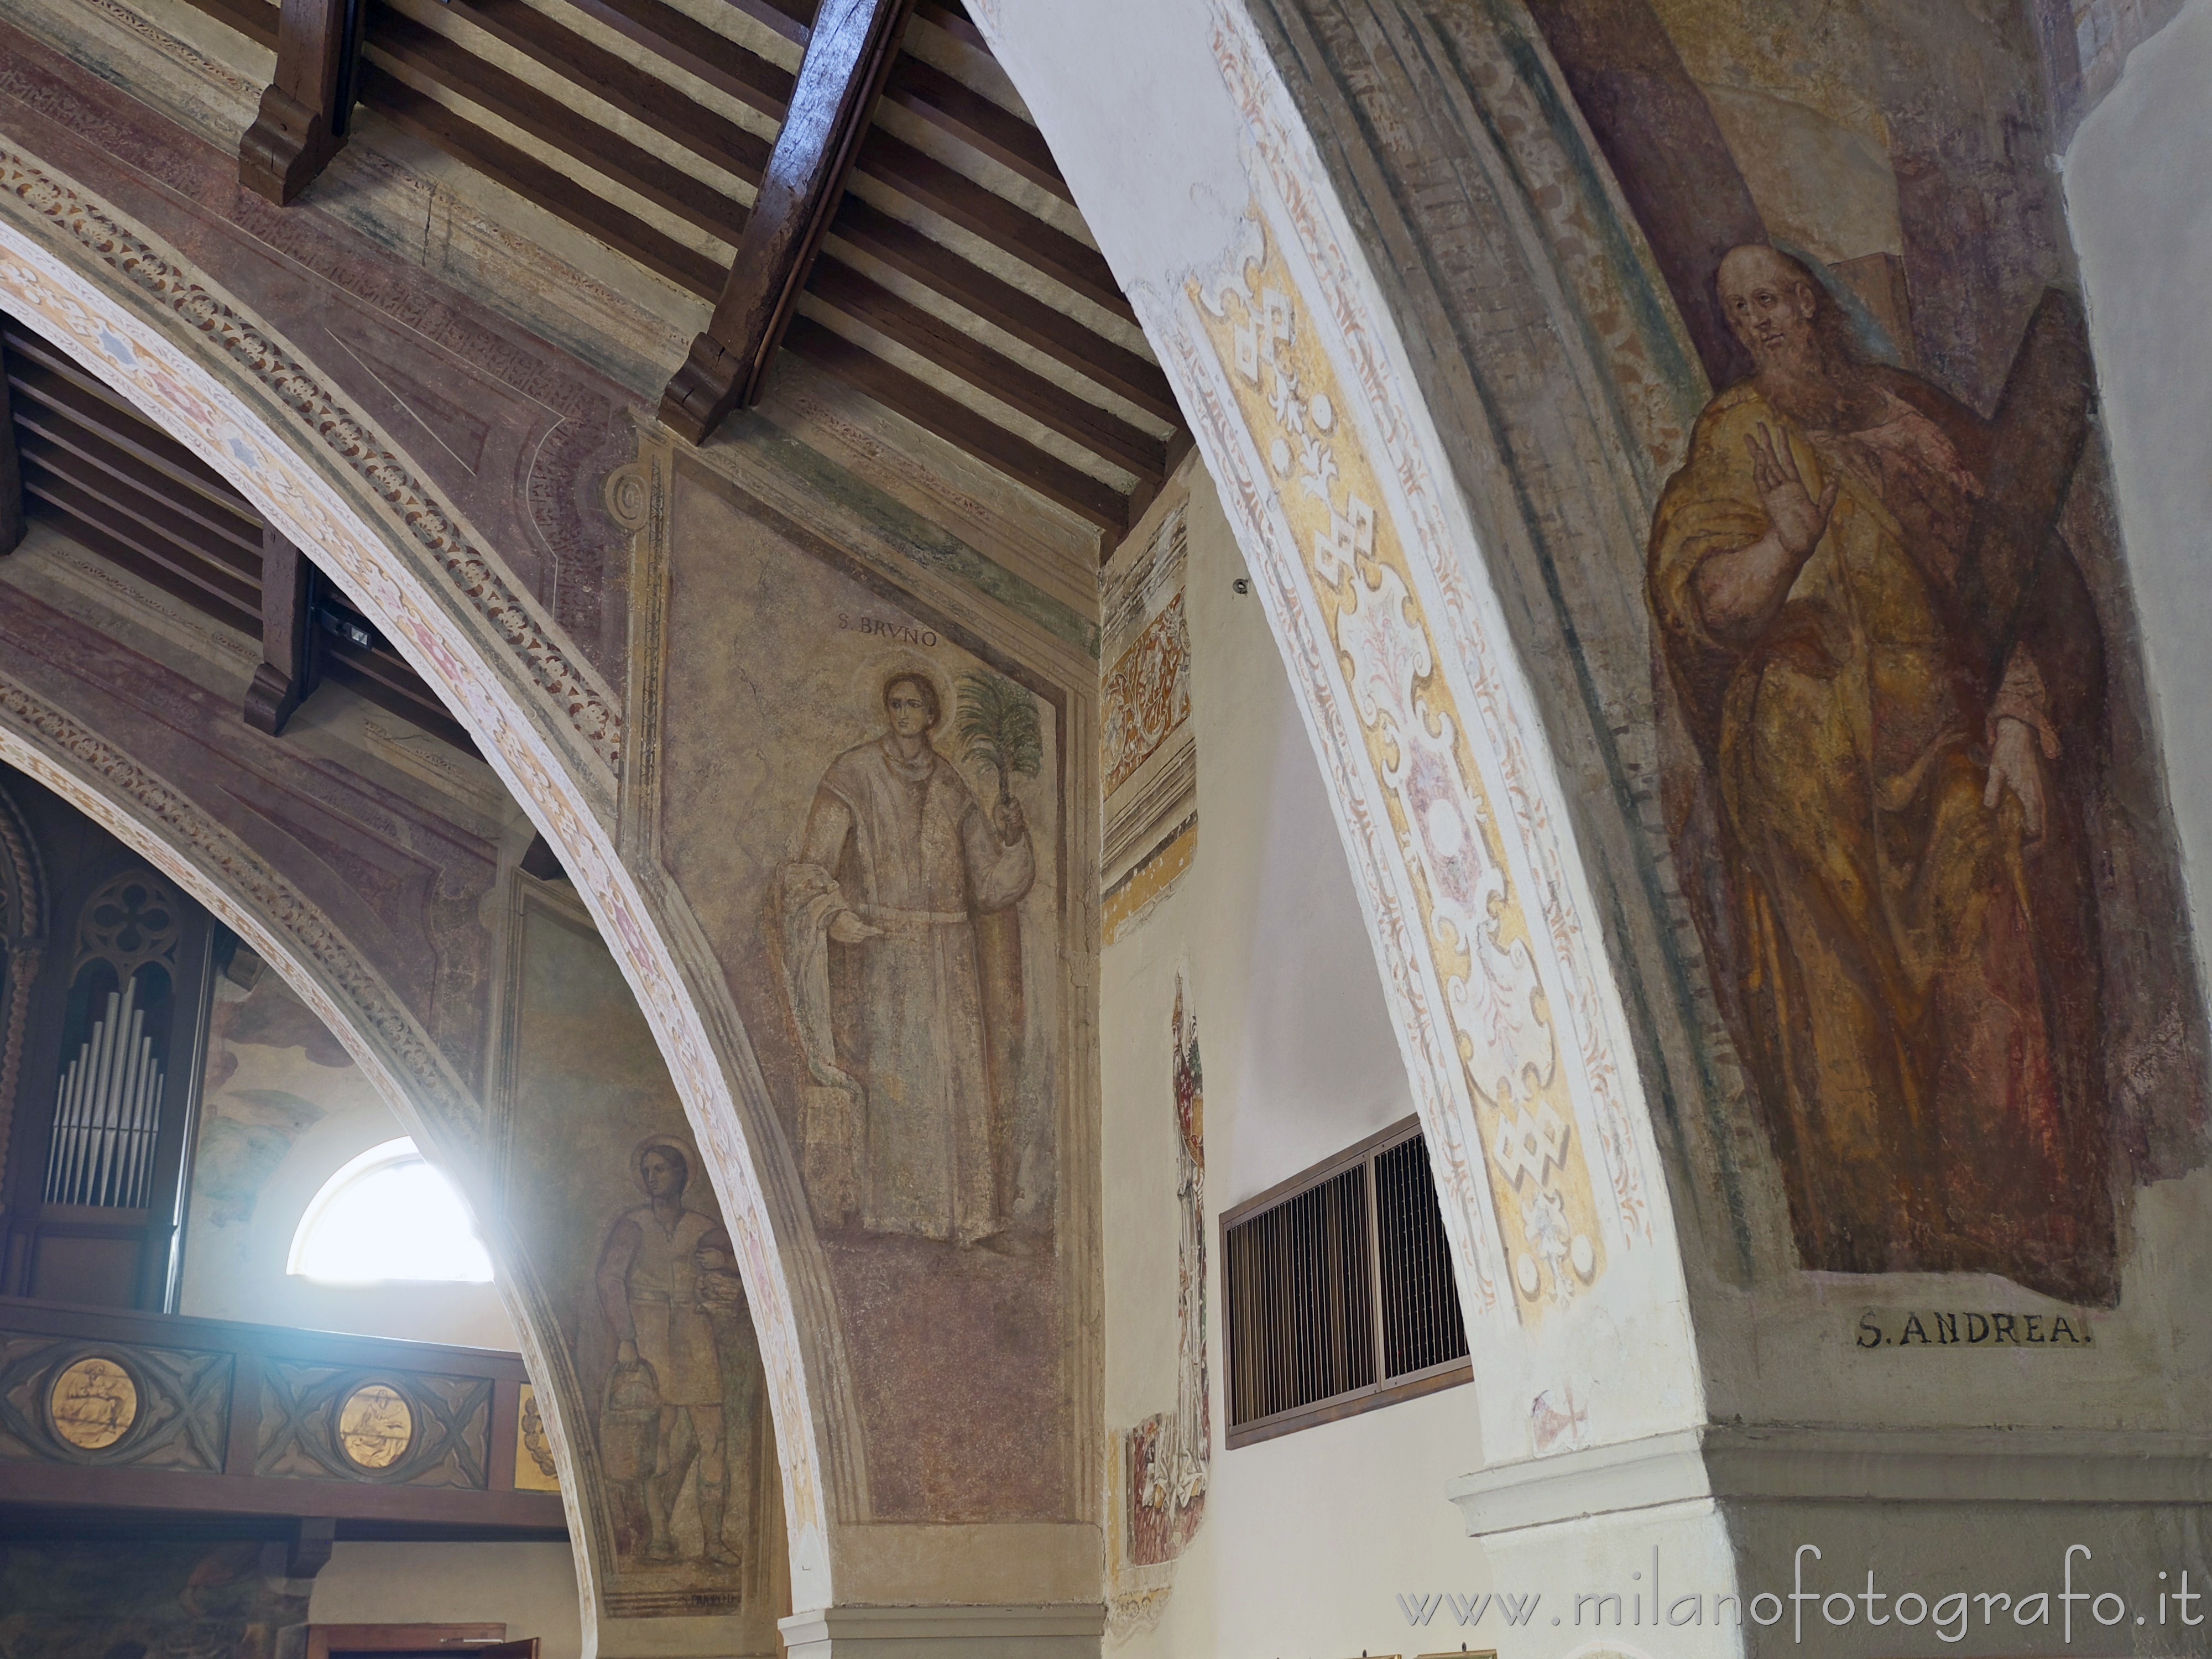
(707, 134)
(1040, 327)
(954, 23)
(41, 426)
(996, 131)
(555, 123)
(185, 565)
(792, 19)
(126, 555)
(951, 194)
(301, 122)
(122, 491)
(729, 67)
(723, 143)
(43, 374)
(958, 424)
(224, 568)
(531, 179)
(848, 53)
(378, 675)
(38, 433)
(929, 337)
(698, 51)
(259, 20)
(12, 521)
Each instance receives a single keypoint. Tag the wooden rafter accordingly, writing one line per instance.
(99, 472)
(12, 522)
(948, 282)
(849, 54)
(289, 658)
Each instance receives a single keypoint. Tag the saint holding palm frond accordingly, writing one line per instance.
(900, 875)
(998, 729)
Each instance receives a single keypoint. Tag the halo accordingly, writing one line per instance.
(675, 1144)
(868, 688)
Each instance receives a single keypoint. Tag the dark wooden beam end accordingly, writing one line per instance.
(848, 56)
(302, 122)
(289, 658)
(703, 391)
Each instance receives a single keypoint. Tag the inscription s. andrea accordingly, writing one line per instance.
(1897, 1327)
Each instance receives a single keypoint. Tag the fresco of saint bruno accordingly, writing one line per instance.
(902, 964)
(1894, 677)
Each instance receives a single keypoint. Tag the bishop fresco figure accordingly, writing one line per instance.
(879, 914)
(1894, 677)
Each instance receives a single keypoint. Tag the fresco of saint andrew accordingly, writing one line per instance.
(892, 992)
(1894, 677)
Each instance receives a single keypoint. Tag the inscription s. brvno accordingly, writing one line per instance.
(902, 633)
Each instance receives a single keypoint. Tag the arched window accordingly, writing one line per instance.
(388, 1215)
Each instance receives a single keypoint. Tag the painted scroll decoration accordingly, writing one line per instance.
(1149, 746)
(1498, 1010)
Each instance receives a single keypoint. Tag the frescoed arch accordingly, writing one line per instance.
(139, 318)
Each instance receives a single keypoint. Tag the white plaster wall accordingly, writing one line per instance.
(1306, 1539)
(1302, 1061)
(2139, 193)
(530, 1588)
(1310, 1540)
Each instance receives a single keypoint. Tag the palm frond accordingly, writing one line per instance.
(997, 727)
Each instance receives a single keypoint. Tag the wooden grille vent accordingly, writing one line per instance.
(1340, 1295)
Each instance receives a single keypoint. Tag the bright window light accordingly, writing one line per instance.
(388, 1215)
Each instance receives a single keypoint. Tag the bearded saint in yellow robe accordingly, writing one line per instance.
(1900, 717)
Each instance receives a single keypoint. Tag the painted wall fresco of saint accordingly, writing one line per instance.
(1170, 1454)
(861, 800)
(1910, 780)
(606, 1188)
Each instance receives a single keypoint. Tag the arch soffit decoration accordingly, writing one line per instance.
(120, 302)
(1446, 788)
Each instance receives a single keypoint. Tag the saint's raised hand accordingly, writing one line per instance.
(1797, 520)
(2015, 766)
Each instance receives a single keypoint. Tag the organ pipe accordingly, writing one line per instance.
(107, 1112)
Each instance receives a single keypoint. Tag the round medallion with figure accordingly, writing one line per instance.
(93, 1403)
(376, 1426)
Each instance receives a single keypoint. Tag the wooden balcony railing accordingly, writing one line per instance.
(136, 1411)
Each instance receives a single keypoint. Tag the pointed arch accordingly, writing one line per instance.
(139, 316)
(1399, 599)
